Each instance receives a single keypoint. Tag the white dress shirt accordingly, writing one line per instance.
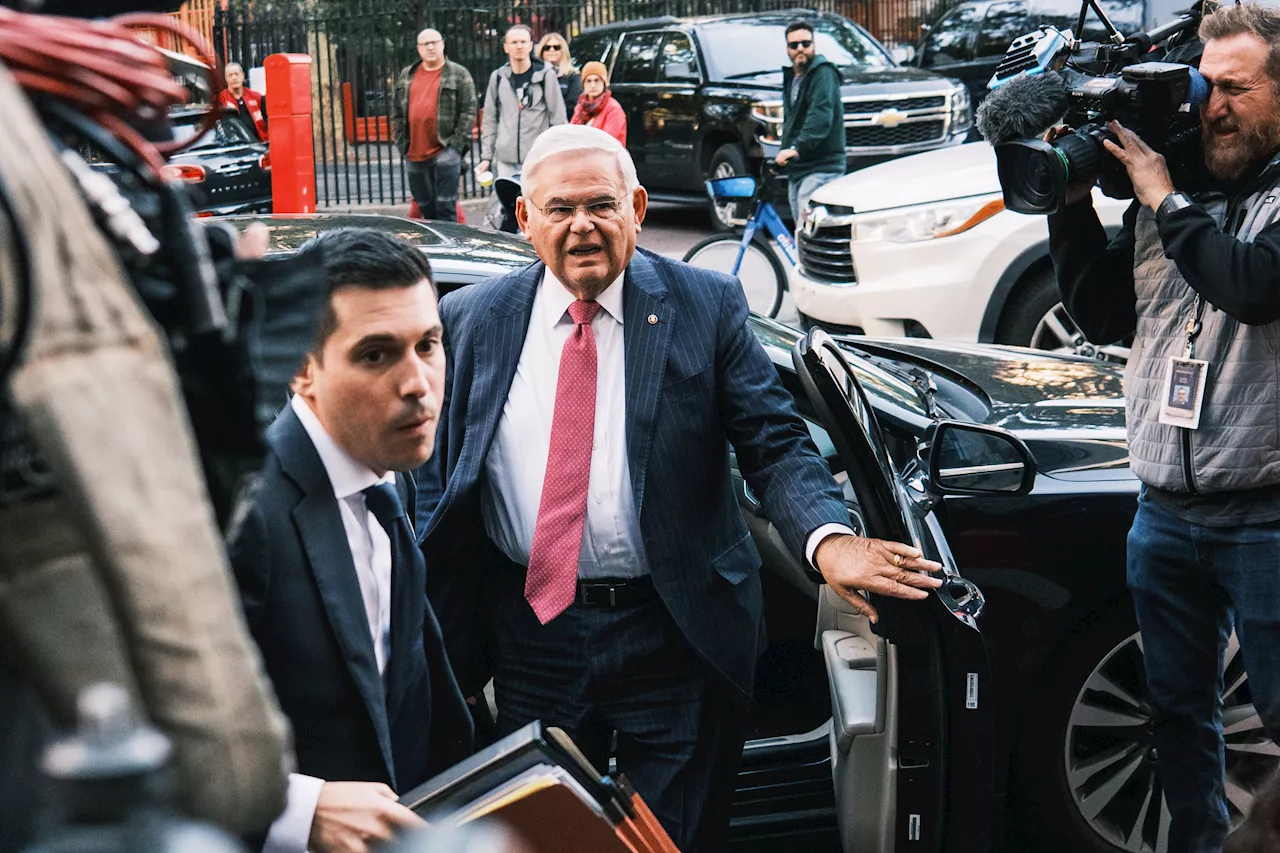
(517, 462)
(371, 553)
(612, 545)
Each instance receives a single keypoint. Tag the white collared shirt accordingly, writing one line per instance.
(517, 461)
(371, 554)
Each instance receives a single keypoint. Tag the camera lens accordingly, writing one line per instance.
(1033, 175)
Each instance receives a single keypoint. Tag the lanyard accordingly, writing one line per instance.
(1193, 327)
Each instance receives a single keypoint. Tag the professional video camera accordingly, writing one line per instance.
(1049, 76)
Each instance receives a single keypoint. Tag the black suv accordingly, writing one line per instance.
(969, 41)
(704, 97)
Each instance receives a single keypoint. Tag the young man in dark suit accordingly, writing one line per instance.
(332, 581)
(588, 510)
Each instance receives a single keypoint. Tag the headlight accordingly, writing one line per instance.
(768, 113)
(961, 111)
(926, 221)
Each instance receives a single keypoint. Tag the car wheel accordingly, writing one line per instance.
(728, 160)
(1035, 317)
(1085, 770)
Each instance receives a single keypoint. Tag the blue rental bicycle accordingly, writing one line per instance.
(750, 256)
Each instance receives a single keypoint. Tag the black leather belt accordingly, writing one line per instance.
(614, 593)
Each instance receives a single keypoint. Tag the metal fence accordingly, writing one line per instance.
(358, 46)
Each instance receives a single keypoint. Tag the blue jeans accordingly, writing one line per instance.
(1190, 584)
(799, 192)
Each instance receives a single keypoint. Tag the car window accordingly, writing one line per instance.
(591, 47)
(1003, 23)
(952, 39)
(229, 130)
(745, 48)
(638, 58)
(679, 49)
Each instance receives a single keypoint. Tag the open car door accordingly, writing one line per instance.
(911, 737)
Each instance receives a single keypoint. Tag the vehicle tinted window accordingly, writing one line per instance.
(229, 130)
(1004, 23)
(592, 47)
(638, 58)
(741, 49)
(952, 39)
(678, 49)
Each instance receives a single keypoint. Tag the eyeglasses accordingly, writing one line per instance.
(429, 43)
(556, 47)
(602, 210)
(796, 45)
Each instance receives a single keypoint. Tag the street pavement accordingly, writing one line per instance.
(672, 230)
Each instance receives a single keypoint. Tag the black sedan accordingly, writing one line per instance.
(1007, 712)
(228, 169)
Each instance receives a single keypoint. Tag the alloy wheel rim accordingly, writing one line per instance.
(1110, 760)
(1057, 332)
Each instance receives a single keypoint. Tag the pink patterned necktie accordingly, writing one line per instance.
(552, 580)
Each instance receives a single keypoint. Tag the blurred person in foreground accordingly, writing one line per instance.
(596, 106)
(523, 100)
(250, 106)
(588, 544)
(554, 50)
(331, 578)
(433, 111)
(112, 567)
(1196, 280)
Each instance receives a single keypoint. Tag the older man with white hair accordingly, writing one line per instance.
(589, 518)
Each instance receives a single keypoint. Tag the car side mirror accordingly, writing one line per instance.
(973, 459)
(679, 72)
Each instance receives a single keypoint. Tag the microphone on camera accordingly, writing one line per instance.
(1023, 107)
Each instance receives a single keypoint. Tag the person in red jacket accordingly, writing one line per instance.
(251, 105)
(596, 107)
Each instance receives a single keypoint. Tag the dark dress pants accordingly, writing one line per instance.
(596, 671)
(434, 185)
(1190, 585)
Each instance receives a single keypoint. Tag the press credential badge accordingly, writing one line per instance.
(1183, 395)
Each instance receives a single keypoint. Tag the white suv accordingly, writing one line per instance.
(922, 246)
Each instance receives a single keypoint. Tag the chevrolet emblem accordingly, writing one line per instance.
(888, 118)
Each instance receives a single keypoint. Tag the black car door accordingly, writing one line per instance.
(633, 83)
(911, 735)
(948, 48)
(1003, 23)
(675, 113)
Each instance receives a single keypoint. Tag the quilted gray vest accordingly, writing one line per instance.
(1237, 445)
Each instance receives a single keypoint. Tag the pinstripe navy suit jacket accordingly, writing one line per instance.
(696, 381)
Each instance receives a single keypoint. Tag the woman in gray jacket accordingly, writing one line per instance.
(523, 100)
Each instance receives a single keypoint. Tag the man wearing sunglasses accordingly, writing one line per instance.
(812, 119)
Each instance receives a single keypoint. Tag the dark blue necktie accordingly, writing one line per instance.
(408, 692)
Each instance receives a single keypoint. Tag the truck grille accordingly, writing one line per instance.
(871, 136)
(895, 122)
(825, 255)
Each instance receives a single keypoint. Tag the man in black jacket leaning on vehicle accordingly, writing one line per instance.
(1196, 280)
(812, 119)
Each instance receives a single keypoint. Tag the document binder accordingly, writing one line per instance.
(538, 783)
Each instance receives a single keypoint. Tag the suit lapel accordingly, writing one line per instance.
(324, 538)
(646, 334)
(499, 341)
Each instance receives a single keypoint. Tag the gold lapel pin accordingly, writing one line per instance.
(653, 319)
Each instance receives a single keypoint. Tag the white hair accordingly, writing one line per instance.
(567, 138)
(235, 65)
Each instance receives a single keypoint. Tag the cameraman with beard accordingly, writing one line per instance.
(1196, 280)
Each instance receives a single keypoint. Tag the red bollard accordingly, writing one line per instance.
(293, 162)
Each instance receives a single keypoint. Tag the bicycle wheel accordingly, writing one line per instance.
(761, 274)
